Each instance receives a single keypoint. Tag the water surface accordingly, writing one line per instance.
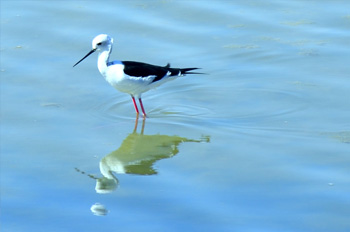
(258, 143)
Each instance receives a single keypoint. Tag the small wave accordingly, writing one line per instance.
(209, 107)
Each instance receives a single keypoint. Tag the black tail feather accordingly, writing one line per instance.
(181, 71)
(187, 71)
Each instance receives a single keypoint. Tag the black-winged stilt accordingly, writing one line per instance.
(131, 77)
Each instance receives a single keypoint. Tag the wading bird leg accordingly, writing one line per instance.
(143, 109)
(136, 109)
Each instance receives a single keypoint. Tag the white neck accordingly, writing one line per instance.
(102, 61)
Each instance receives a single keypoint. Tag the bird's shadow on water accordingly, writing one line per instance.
(136, 155)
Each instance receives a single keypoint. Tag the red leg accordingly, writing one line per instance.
(143, 109)
(136, 109)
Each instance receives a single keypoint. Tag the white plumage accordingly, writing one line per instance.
(131, 77)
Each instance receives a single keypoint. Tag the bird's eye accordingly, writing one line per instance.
(100, 43)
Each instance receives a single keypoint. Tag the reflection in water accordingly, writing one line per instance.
(98, 209)
(136, 155)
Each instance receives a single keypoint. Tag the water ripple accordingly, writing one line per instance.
(113, 109)
(262, 103)
(214, 105)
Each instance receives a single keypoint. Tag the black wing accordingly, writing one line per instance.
(139, 69)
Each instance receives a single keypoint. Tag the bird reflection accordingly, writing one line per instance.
(137, 155)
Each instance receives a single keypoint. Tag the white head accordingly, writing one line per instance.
(100, 43)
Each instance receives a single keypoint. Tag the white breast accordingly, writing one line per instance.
(116, 77)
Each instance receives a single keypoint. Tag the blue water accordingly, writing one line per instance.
(260, 142)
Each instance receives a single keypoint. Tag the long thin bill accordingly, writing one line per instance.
(90, 52)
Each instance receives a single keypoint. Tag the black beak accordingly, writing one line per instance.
(90, 52)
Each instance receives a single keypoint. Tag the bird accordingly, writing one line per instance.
(132, 77)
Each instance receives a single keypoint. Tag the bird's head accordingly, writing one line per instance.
(101, 42)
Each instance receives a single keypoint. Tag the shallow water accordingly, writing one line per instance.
(258, 143)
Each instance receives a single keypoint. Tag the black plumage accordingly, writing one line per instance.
(139, 69)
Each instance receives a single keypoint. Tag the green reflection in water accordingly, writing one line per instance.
(137, 155)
